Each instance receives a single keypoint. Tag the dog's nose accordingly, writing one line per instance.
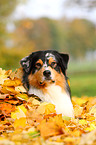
(47, 73)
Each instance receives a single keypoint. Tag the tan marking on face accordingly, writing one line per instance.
(36, 78)
(38, 63)
(59, 78)
(51, 60)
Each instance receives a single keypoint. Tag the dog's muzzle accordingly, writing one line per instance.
(47, 74)
(47, 77)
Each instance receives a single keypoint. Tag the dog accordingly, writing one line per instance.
(44, 75)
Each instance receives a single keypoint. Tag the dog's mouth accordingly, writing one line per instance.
(48, 80)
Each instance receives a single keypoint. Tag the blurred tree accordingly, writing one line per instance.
(41, 34)
(80, 37)
(6, 8)
(74, 37)
(6, 55)
(38, 34)
(31, 34)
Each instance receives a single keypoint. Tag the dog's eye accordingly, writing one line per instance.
(53, 64)
(38, 65)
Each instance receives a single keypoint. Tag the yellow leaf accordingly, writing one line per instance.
(20, 123)
(66, 118)
(11, 83)
(50, 108)
(76, 133)
(3, 76)
(19, 113)
(2, 79)
(92, 127)
(18, 73)
(20, 89)
(46, 108)
(48, 129)
(93, 110)
(80, 101)
(2, 72)
(78, 111)
(83, 122)
(22, 96)
(51, 127)
(8, 90)
(69, 139)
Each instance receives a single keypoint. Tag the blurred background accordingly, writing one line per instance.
(68, 26)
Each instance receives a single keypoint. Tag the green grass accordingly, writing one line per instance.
(81, 66)
(83, 84)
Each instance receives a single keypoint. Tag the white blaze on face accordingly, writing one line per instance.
(49, 55)
(45, 65)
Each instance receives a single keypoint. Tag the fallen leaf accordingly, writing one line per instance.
(83, 122)
(66, 118)
(20, 123)
(48, 129)
(26, 120)
(19, 113)
(93, 110)
(8, 90)
(78, 111)
(3, 96)
(6, 109)
(51, 127)
(49, 108)
(20, 89)
(18, 73)
(46, 108)
(12, 83)
(91, 127)
(22, 96)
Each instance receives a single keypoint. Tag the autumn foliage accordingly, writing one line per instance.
(26, 120)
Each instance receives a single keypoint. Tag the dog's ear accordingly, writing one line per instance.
(65, 59)
(25, 63)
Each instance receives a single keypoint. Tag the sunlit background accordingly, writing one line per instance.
(68, 26)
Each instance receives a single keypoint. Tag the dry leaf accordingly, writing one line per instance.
(8, 90)
(22, 119)
(78, 111)
(19, 113)
(20, 123)
(20, 89)
(12, 83)
(3, 96)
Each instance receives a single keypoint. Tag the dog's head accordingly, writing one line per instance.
(44, 67)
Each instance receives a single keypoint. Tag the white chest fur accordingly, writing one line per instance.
(56, 96)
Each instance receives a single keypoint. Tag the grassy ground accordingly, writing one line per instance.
(83, 84)
(82, 77)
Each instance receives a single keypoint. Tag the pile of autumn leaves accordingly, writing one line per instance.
(25, 120)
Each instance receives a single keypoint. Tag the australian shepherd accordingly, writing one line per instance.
(44, 75)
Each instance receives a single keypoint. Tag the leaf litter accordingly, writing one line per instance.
(24, 120)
